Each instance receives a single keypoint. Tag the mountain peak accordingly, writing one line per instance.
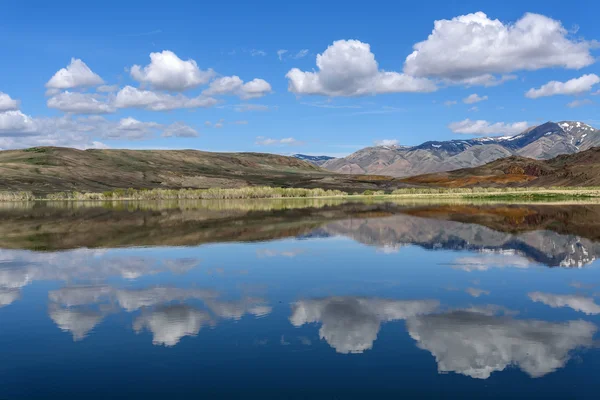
(543, 141)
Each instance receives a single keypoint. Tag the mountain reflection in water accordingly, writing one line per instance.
(449, 293)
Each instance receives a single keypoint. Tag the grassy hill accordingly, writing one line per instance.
(55, 169)
(579, 169)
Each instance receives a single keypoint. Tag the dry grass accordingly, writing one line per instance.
(289, 193)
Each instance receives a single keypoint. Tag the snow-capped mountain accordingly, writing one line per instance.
(540, 142)
(317, 160)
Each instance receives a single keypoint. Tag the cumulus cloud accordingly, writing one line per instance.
(169, 72)
(107, 88)
(80, 295)
(76, 74)
(386, 142)
(170, 324)
(79, 322)
(351, 324)
(9, 296)
(349, 68)
(129, 128)
(130, 97)
(477, 344)
(578, 303)
(482, 127)
(179, 129)
(233, 85)
(572, 87)
(81, 103)
(486, 80)
(265, 141)
(471, 48)
(15, 123)
(237, 309)
(7, 103)
(132, 300)
(18, 130)
(474, 98)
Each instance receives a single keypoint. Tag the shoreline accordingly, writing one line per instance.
(267, 193)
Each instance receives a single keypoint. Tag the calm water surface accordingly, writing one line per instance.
(299, 299)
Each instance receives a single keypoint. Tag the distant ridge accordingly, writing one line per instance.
(540, 142)
(317, 160)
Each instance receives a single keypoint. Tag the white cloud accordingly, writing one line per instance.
(264, 141)
(281, 53)
(574, 86)
(488, 261)
(473, 109)
(129, 128)
(81, 103)
(579, 103)
(301, 54)
(386, 142)
(450, 103)
(171, 323)
(486, 80)
(7, 103)
(474, 98)
(15, 123)
(9, 296)
(481, 127)
(578, 303)
(169, 72)
(179, 129)
(107, 88)
(76, 74)
(241, 122)
(233, 85)
(349, 68)
(470, 48)
(130, 97)
(251, 107)
(18, 130)
(351, 324)
(256, 52)
(476, 344)
(78, 322)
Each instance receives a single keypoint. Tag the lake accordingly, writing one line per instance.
(299, 299)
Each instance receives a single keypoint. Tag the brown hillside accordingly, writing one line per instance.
(579, 169)
(55, 169)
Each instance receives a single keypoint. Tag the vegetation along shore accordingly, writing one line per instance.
(282, 193)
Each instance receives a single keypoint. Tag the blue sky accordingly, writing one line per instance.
(219, 70)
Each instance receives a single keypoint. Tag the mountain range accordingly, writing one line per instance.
(541, 142)
(316, 160)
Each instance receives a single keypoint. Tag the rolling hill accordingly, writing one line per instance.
(55, 169)
(541, 142)
(579, 169)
